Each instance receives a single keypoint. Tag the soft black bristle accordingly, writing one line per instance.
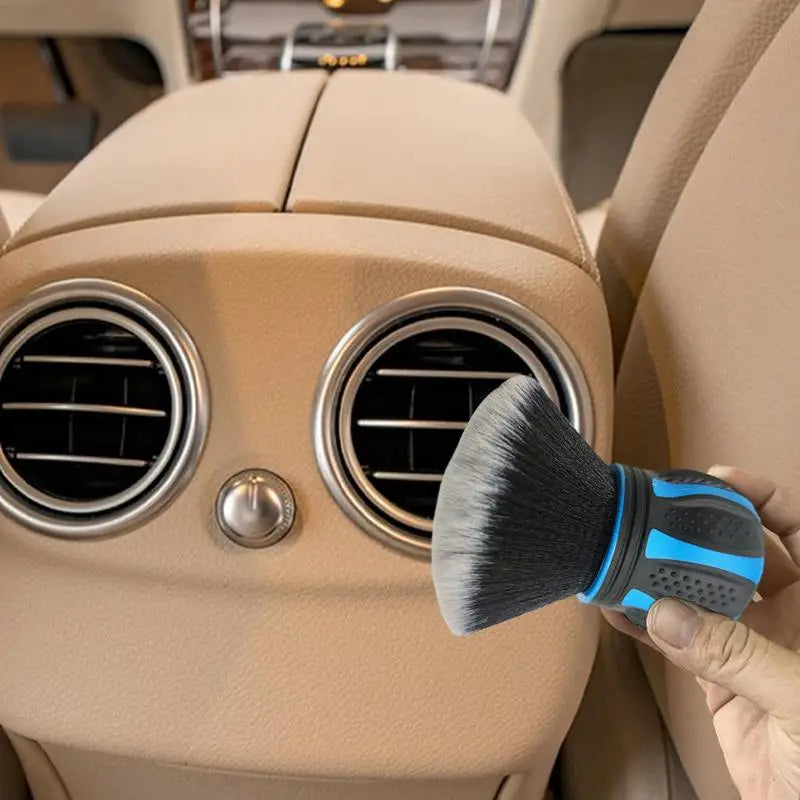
(525, 511)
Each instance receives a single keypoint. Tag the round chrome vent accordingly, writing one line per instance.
(400, 387)
(102, 408)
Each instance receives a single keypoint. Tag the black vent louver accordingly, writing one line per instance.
(413, 403)
(87, 417)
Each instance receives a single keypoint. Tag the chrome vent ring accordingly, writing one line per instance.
(103, 408)
(399, 388)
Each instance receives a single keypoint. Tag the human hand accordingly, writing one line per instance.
(749, 670)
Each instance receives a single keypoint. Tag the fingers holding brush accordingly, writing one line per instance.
(779, 569)
(527, 514)
(620, 622)
(778, 506)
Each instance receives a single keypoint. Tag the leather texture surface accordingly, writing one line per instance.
(625, 759)
(710, 361)
(95, 776)
(717, 55)
(324, 656)
(592, 221)
(413, 147)
(683, 707)
(16, 208)
(171, 643)
(219, 146)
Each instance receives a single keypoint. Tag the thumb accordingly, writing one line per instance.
(729, 654)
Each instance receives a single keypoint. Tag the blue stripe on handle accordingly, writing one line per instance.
(589, 594)
(663, 488)
(637, 599)
(663, 547)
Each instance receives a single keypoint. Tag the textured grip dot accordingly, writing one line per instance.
(726, 532)
(710, 591)
(682, 476)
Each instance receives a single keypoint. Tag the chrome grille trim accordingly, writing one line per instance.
(86, 408)
(412, 424)
(89, 360)
(463, 374)
(421, 477)
(71, 459)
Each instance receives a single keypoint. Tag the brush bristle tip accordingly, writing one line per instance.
(523, 515)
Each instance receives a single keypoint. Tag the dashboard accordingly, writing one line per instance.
(517, 45)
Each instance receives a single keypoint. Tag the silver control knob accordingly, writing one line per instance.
(255, 508)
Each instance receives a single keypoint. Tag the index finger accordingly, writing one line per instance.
(779, 569)
(778, 506)
(620, 622)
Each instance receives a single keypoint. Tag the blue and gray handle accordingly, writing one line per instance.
(679, 534)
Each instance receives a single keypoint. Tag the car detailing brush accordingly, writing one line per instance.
(528, 514)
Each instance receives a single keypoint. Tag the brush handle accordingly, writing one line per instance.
(679, 534)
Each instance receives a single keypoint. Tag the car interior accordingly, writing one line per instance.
(260, 260)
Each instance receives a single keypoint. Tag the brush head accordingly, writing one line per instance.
(525, 511)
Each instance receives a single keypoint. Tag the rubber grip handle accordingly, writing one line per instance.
(687, 535)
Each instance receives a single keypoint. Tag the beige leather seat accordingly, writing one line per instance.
(718, 54)
(16, 207)
(592, 221)
(699, 261)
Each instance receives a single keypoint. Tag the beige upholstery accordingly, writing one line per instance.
(716, 57)
(63, 773)
(16, 207)
(468, 163)
(711, 360)
(304, 637)
(324, 657)
(163, 161)
(591, 222)
(617, 748)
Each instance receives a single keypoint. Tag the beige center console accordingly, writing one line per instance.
(318, 277)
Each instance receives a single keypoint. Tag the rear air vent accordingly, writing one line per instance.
(392, 415)
(98, 408)
(402, 417)
(85, 409)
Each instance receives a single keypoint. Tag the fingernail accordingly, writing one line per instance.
(673, 622)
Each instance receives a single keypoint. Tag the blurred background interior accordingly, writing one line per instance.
(582, 70)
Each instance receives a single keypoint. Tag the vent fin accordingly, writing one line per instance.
(408, 402)
(90, 410)
(86, 408)
(400, 387)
